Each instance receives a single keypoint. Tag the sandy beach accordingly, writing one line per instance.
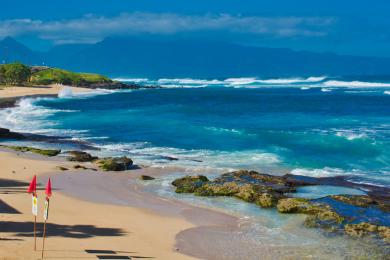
(18, 91)
(75, 225)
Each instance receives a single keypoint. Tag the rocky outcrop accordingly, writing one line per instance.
(113, 85)
(78, 156)
(189, 184)
(366, 229)
(45, 152)
(115, 164)
(336, 213)
(7, 134)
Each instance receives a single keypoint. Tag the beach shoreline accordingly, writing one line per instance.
(152, 235)
(127, 228)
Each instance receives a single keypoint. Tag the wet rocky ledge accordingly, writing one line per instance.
(359, 216)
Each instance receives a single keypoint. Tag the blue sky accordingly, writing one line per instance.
(358, 27)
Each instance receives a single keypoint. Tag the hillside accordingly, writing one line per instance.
(20, 74)
(164, 57)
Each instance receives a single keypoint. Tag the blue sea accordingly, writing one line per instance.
(314, 126)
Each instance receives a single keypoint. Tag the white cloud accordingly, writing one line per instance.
(91, 28)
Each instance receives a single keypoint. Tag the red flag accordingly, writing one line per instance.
(33, 185)
(48, 188)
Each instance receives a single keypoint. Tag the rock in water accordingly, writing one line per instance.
(115, 164)
(189, 184)
(355, 215)
(78, 156)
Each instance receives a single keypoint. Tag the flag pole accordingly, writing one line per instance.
(44, 228)
(35, 230)
(46, 212)
(32, 188)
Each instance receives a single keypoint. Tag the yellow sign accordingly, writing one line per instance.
(35, 205)
(46, 210)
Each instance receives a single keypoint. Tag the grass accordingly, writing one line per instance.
(54, 75)
(45, 152)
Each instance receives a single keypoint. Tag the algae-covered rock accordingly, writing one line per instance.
(292, 205)
(247, 193)
(189, 184)
(146, 178)
(368, 229)
(45, 152)
(361, 229)
(213, 189)
(384, 232)
(62, 168)
(267, 200)
(356, 200)
(323, 216)
(115, 164)
(78, 156)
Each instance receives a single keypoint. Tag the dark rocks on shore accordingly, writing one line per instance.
(355, 215)
(7, 134)
(78, 156)
(146, 178)
(45, 152)
(114, 85)
(115, 164)
(62, 168)
(189, 184)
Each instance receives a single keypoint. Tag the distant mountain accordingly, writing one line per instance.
(168, 57)
(11, 50)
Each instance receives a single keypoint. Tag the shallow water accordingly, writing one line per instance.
(262, 232)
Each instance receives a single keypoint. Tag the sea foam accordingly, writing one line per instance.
(356, 84)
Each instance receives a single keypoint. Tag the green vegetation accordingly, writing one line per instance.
(54, 75)
(20, 74)
(14, 74)
(46, 152)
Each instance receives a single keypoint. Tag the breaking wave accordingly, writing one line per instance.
(28, 117)
(354, 84)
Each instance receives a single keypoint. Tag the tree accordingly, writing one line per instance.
(2, 76)
(15, 73)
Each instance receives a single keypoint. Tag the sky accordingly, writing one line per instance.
(356, 27)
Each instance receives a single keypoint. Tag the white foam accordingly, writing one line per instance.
(354, 84)
(240, 81)
(277, 81)
(198, 159)
(137, 80)
(65, 92)
(31, 118)
(350, 135)
(326, 90)
(292, 80)
(325, 172)
(189, 81)
(387, 92)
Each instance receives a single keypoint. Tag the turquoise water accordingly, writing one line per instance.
(312, 126)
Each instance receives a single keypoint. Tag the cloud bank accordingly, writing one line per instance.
(91, 28)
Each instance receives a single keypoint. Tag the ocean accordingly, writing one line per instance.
(315, 126)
